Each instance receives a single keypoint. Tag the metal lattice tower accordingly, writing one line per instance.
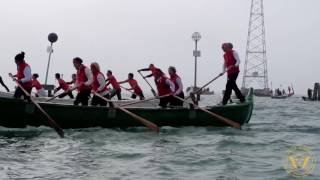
(255, 71)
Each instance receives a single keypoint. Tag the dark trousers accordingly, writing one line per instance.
(18, 93)
(177, 102)
(116, 92)
(165, 101)
(2, 83)
(82, 97)
(232, 85)
(141, 96)
(66, 93)
(98, 101)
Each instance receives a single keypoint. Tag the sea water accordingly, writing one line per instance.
(258, 151)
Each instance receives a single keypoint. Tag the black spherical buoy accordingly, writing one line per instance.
(52, 37)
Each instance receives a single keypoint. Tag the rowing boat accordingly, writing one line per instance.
(19, 114)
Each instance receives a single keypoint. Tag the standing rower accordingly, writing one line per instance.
(2, 83)
(178, 86)
(165, 87)
(99, 86)
(134, 86)
(231, 66)
(23, 76)
(64, 86)
(36, 84)
(83, 83)
(116, 87)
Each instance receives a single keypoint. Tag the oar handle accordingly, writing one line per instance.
(142, 120)
(52, 122)
(217, 116)
(152, 90)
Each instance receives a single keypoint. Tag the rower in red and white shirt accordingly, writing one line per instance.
(64, 86)
(99, 86)
(36, 84)
(114, 83)
(165, 87)
(178, 86)
(134, 86)
(23, 76)
(231, 66)
(151, 68)
(83, 83)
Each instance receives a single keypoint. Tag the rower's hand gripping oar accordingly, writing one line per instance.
(199, 90)
(142, 120)
(52, 122)
(217, 116)
(152, 90)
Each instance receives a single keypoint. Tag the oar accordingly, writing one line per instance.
(66, 92)
(142, 120)
(152, 90)
(52, 122)
(199, 90)
(145, 100)
(128, 90)
(217, 116)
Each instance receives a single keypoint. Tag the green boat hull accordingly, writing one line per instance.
(17, 113)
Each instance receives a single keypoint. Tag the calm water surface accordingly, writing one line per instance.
(256, 152)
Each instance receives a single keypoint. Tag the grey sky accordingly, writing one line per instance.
(125, 35)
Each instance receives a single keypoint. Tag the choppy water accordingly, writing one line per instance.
(256, 152)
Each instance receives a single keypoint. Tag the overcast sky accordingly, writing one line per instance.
(125, 35)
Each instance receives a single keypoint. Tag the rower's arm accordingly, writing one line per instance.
(236, 56)
(102, 82)
(171, 85)
(180, 89)
(89, 77)
(121, 82)
(27, 75)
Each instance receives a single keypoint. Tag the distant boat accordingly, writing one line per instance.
(205, 91)
(258, 92)
(279, 97)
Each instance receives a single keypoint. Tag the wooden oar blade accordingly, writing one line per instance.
(142, 120)
(218, 117)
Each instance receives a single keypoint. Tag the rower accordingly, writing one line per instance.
(36, 84)
(23, 77)
(151, 68)
(231, 66)
(83, 82)
(64, 86)
(116, 87)
(99, 86)
(2, 83)
(178, 86)
(134, 86)
(164, 86)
